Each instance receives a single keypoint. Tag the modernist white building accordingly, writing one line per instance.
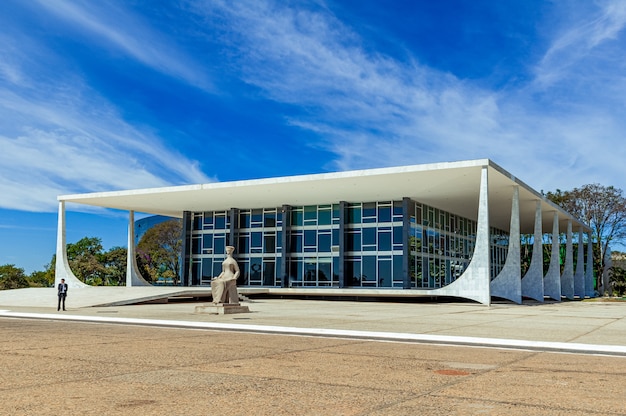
(443, 229)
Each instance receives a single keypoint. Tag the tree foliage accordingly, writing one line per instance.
(114, 262)
(159, 251)
(86, 260)
(12, 277)
(603, 208)
(40, 279)
(618, 274)
(91, 264)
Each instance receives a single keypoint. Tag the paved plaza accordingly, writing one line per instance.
(312, 357)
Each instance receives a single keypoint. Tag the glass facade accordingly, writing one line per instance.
(381, 244)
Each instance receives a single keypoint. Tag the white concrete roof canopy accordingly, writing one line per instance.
(451, 186)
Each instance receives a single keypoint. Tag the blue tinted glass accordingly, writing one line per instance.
(354, 215)
(323, 273)
(270, 244)
(207, 269)
(296, 218)
(295, 272)
(397, 268)
(257, 216)
(384, 214)
(384, 241)
(255, 270)
(270, 219)
(196, 246)
(244, 244)
(197, 222)
(244, 220)
(324, 243)
(207, 241)
(397, 209)
(384, 273)
(369, 269)
(310, 237)
(310, 212)
(217, 268)
(269, 273)
(256, 240)
(397, 235)
(369, 209)
(220, 223)
(324, 217)
(296, 243)
(219, 245)
(195, 272)
(354, 242)
(353, 272)
(369, 236)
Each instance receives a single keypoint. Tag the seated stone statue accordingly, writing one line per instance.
(224, 286)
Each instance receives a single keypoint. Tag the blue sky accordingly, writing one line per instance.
(108, 95)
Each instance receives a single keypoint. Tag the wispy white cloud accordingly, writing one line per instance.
(116, 27)
(373, 110)
(369, 109)
(59, 136)
(575, 44)
(311, 60)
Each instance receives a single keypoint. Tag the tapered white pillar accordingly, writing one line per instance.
(552, 280)
(532, 282)
(579, 276)
(474, 282)
(133, 276)
(508, 283)
(567, 277)
(62, 266)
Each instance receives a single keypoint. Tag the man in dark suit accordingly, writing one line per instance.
(62, 294)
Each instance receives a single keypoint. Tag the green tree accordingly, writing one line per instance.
(159, 251)
(91, 264)
(115, 266)
(618, 273)
(603, 208)
(12, 277)
(40, 279)
(86, 260)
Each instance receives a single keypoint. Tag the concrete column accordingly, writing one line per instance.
(344, 281)
(552, 280)
(133, 276)
(567, 278)
(406, 252)
(508, 284)
(474, 283)
(185, 267)
(579, 276)
(532, 282)
(589, 286)
(62, 266)
(285, 238)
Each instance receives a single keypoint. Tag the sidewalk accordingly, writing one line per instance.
(590, 326)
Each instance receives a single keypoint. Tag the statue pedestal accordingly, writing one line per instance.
(222, 308)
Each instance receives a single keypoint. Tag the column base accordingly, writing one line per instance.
(222, 308)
